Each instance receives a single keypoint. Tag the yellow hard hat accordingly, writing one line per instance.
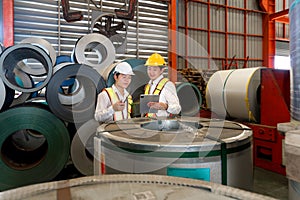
(155, 60)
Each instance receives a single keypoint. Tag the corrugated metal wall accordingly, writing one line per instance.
(147, 32)
(223, 31)
(282, 31)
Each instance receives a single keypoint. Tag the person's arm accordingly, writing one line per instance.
(104, 110)
(173, 105)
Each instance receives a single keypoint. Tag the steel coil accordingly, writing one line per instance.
(44, 44)
(130, 186)
(62, 59)
(214, 150)
(36, 163)
(95, 50)
(215, 92)
(1, 48)
(82, 151)
(189, 98)
(12, 56)
(91, 81)
(6, 95)
(234, 93)
(71, 92)
(24, 80)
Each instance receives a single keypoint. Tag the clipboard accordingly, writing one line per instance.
(145, 99)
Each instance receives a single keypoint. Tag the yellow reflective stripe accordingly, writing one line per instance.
(129, 103)
(147, 88)
(157, 90)
(118, 115)
(160, 86)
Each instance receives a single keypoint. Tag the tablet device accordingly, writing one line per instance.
(145, 99)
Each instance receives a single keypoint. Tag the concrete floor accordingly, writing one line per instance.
(270, 184)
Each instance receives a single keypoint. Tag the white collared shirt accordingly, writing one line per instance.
(104, 111)
(168, 95)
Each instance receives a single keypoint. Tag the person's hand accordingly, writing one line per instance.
(119, 106)
(158, 105)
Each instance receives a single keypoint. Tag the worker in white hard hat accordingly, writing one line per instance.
(114, 103)
(168, 104)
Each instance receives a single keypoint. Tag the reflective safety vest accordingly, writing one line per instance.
(161, 84)
(114, 98)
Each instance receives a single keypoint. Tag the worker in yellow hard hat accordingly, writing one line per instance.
(168, 103)
(114, 103)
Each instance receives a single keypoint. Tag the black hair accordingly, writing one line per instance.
(117, 74)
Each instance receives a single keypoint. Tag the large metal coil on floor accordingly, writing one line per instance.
(130, 186)
(82, 147)
(34, 146)
(235, 93)
(189, 98)
(89, 79)
(213, 150)
(95, 50)
(13, 56)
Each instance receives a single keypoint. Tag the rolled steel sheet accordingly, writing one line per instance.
(215, 92)
(62, 59)
(91, 81)
(24, 81)
(241, 94)
(6, 95)
(2, 93)
(44, 44)
(27, 139)
(108, 72)
(75, 94)
(1, 48)
(294, 16)
(292, 154)
(12, 56)
(57, 67)
(82, 150)
(235, 93)
(95, 50)
(42, 161)
(39, 93)
(130, 186)
(141, 145)
(71, 92)
(137, 65)
(294, 190)
(189, 98)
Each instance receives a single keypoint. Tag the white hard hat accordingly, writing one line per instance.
(123, 68)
